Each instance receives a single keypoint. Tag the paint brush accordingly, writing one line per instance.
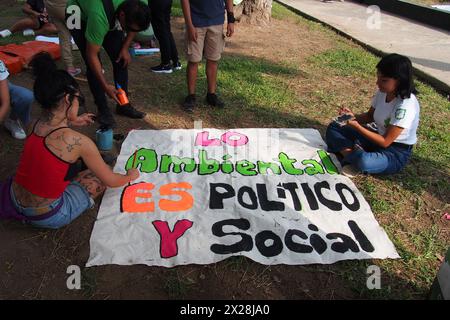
(134, 159)
(134, 162)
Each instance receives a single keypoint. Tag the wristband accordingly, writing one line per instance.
(230, 17)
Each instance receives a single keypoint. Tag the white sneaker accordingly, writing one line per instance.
(5, 33)
(28, 32)
(350, 171)
(15, 128)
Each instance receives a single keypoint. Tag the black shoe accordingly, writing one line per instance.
(106, 120)
(213, 100)
(130, 112)
(177, 65)
(162, 68)
(189, 103)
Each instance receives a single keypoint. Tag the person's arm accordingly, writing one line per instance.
(5, 103)
(124, 54)
(366, 117)
(392, 133)
(93, 160)
(230, 18)
(92, 52)
(27, 9)
(192, 32)
(82, 120)
(362, 118)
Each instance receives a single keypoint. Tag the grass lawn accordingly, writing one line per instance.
(295, 74)
(428, 3)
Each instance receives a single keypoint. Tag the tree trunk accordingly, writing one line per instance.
(254, 11)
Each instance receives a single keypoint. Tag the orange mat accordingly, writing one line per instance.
(13, 63)
(26, 51)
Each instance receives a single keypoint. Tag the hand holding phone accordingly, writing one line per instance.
(343, 119)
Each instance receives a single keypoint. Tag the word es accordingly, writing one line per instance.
(142, 190)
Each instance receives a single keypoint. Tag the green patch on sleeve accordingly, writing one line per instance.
(400, 114)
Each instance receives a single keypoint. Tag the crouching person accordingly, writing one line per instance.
(47, 190)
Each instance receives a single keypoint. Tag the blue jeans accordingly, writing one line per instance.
(76, 201)
(371, 158)
(21, 101)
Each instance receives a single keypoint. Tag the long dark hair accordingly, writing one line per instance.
(51, 84)
(400, 68)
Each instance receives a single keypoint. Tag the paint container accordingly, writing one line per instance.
(122, 96)
(104, 138)
(143, 52)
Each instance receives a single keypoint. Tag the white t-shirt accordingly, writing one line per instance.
(3, 71)
(403, 113)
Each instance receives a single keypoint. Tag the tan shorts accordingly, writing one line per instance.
(210, 43)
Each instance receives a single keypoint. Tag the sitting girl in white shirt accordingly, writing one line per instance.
(395, 111)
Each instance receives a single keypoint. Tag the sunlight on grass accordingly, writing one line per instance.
(176, 9)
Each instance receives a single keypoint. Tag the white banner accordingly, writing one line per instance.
(273, 195)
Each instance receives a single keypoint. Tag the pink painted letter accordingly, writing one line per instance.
(204, 141)
(168, 246)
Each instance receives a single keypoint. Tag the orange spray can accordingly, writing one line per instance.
(122, 96)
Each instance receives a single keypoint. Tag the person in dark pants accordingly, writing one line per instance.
(96, 32)
(160, 10)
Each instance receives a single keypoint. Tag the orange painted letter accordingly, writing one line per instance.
(185, 203)
(131, 193)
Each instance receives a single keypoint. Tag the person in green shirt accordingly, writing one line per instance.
(104, 24)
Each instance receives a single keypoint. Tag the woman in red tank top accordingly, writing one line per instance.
(48, 188)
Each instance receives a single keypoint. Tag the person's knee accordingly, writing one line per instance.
(21, 97)
(330, 133)
(28, 97)
(193, 65)
(363, 163)
(33, 23)
(212, 66)
(366, 163)
(212, 62)
(94, 187)
(50, 27)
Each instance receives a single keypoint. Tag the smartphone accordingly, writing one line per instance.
(343, 119)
